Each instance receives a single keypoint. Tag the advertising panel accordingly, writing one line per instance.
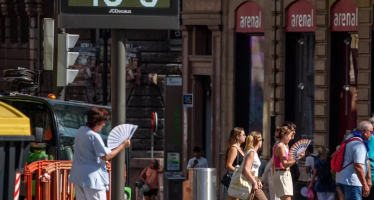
(132, 14)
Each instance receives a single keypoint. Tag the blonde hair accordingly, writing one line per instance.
(252, 140)
(281, 131)
(323, 153)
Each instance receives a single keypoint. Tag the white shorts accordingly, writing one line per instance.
(282, 182)
(83, 193)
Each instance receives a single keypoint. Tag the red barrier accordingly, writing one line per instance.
(36, 167)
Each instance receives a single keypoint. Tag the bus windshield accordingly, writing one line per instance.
(70, 118)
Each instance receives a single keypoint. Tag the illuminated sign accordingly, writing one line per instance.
(119, 14)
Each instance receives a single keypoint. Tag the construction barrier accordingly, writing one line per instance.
(51, 180)
(28, 172)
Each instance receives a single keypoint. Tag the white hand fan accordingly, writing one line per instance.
(119, 134)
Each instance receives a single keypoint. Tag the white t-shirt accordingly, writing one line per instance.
(256, 162)
(203, 163)
(354, 151)
(310, 163)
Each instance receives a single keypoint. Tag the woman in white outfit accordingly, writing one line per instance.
(252, 163)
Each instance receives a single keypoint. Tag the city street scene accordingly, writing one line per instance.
(186, 100)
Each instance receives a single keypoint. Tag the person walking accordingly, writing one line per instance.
(149, 176)
(88, 172)
(282, 179)
(352, 179)
(309, 168)
(370, 176)
(267, 177)
(234, 153)
(252, 164)
(324, 184)
(197, 161)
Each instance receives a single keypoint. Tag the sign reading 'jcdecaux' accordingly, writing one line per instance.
(118, 14)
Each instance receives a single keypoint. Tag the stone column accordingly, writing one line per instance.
(363, 78)
(277, 57)
(321, 64)
(32, 10)
(197, 112)
(216, 98)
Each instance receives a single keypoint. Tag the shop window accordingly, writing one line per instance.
(249, 82)
(343, 86)
(299, 83)
(13, 29)
(24, 29)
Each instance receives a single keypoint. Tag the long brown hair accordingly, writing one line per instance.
(234, 133)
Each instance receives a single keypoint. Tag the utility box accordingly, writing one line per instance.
(202, 184)
(173, 185)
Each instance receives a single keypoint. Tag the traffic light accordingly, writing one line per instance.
(48, 28)
(65, 59)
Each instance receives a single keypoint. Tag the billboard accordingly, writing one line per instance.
(119, 14)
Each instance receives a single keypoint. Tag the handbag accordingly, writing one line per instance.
(140, 182)
(240, 187)
(145, 187)
(226, 179)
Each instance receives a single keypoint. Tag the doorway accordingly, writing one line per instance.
(299, 83)
(343, 86)
(249, 82)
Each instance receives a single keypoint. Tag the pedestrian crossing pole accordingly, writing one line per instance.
(118, 101)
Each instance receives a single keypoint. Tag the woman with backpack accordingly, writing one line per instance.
(325, 185)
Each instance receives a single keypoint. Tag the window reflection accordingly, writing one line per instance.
(256, 99)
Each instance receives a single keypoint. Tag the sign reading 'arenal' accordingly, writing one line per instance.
(249, 18)
(344, 16)
(301, 17)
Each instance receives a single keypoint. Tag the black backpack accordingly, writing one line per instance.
(324, 172)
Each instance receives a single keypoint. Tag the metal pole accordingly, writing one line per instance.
(118, 60)
(55, 89)
(105, 68)
(152, 143)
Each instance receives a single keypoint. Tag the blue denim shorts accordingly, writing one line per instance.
(351, 192)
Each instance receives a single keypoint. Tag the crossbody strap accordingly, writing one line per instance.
(348, 141)
(151, 177)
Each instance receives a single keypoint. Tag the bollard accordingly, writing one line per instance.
(202, 183)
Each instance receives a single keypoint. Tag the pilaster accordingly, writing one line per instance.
(321, 75)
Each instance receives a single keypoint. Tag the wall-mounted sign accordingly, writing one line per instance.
(344, 16)
(249, 18)
(174, 81)
(188, 100)
(301, 17)
(117, 14)
(173, 161)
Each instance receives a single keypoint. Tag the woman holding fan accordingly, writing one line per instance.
(88, 173)
(282, 178)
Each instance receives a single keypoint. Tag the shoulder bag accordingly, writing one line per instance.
(226, 179)
(240, 187)
(140, 182)
(145, 187)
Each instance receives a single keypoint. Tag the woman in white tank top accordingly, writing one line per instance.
(252, 163)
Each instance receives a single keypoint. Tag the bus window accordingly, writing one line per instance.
(70, 118)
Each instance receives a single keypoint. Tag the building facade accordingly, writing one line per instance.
(307, 61)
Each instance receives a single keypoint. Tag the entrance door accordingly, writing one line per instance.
(299, 83)
(343, 86)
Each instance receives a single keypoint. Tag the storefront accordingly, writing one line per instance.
(343, 73)
(249, 67)
(299, 67)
